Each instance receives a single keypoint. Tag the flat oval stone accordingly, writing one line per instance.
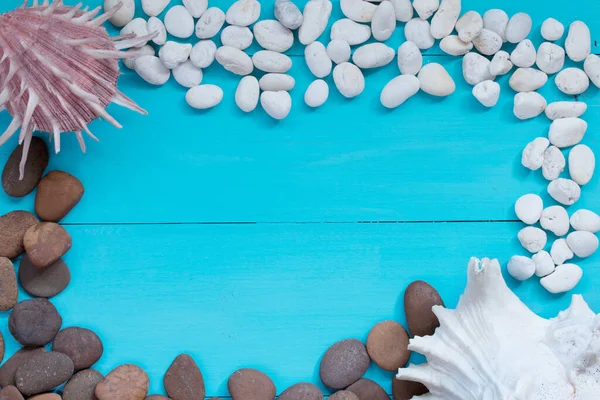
(419, 297)
(34, 322)
(183, 380)
(45, 243)
(343, 395)
(82, 346)
(82, 385)
(10, 393)
(366, 389)
(301, 391)
(250, 384)
(387, 345)
(344, 363)
(43, 372)
(8, 369)
(13, 226)
(406, 390)
(46, 396)
(37, 161)
(57, 194)
(9, 292)
(126, 382)
(46, 282)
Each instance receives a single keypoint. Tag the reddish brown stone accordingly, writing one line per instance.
(37, 161)
(9, 292)
(34, 322)
(250, 384)
(82, 346)
(12, 231)
(126, 382)
(82, 385)
(10, 393)
(419, 298)
(45, 243)
(183, 380)
(405, 390)
(387, 345)
(57, 194)
(344, 363)
(8, 369)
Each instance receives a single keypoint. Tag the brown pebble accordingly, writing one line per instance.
(366, 389)
(10, 393)
(34, 322)
(126, 382)
(405, 390)
(9, 292)
(57, 194)
(43, 372)
(13, 226)
(250, 384)
(1, 349)
(387, 345)
(343, 395)
(46, 282)
(8, 369)
(344, 363)
(37, 161)
(45, 243)
(82, 346)
(183, 380)
(419, 297)
(46, 396)
(301, 391)
(157, 397)
(82, 385)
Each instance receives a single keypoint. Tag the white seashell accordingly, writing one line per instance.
(187, 74)
(147, 50)
(582, 163)
(316, 18)
(276, 104)
(271, 35)
(533, 153)
(196, 7)
(276, 82)
(288, 14)
(544, 265)
(418, 31)
(172, 53)
(527, 80)
(152, 70)
(358, 10)
(156, 25)
(532, 239)
(243, 13)
(528, 105)
(348, 79)
(552, 30)
(518, 27)
(153, 8)
(492, 328)
(444, 20)
(550, 58)
(579, 42)
(239, 37)
(524, 54)
(496, 20)
(204, 96)
(210, 23)
(271, 61)
(179, 22)
(560, 251)
(426, 8)
(338, 51)
(373, 55)
(529, 208)
(556, 220)
(452, 45)
(234, 60)
(565, 191)
(566, 132)
(585, 220)
(488, 42)
(487, 93)
(563, 279)
(384, 21)
(317, 93)
(398, 90)
(500, 64)
(138, 26)
(203, 53)
(247, 94)
(521, 268)
(475, 68)
(582, 243)
(554, 163)
(435, 80)
(591, 66)
(317, 59)
(469, 26)
(403, 10)
(565, 109)
(125, 13)
(351, 32)
(410, 59)
(572, 81)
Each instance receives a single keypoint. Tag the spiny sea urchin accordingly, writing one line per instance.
(59, 70)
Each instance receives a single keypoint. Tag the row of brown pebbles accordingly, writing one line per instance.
(34, 371)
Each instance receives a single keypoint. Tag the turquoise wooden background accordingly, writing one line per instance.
(253, 243)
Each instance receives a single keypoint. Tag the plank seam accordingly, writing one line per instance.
(294, 222)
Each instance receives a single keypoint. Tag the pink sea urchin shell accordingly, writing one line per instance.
(59, 70)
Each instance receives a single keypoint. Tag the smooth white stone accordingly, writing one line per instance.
(239, 37)
(410, 59)
(532, 239)
(454, 46)
(556, 220)
(276, 104)
(469, 26)
(487, 93)
(544, 265)
(579, 41)
(276, 82)
(591, 66)
(147, 50)
(572, 81)
(152, 70)
(444, 20)
(203, 53)
(552, 30)
(317, 59)
(204, 96)
(565, 191)
(560, 251)
(563, 279)
(234, 60)
(196, 7)
(418, 31)
(426, 8)
(271, 61)
(317, 93)
(488, 42)
(288, 14)
(528, 105)
(247, 94)
(521, 268)
(153, 8)
(554, 163)
(373, 55)
(351, 32)
(403, 9)
(585, 220)
(348, 79)
(582, 163)
(358, 10)
(210, 23)
(187, 74)
(496, 20)
(172, 53)
(338, 51)
(529, 208)
(271, 35)
(138, 26)
(243, 13)
(565, 109)
(500, 64)
(550, 58)
(384, 21)
(156, 25)
(527, 80)
(524, 55)
(533, 154)
(582, 243)
(518, 27)
(435, 80)
(179, 22)
(316, 18)
(398, 90)
(475, 68)
(125, 13)
(566, 132)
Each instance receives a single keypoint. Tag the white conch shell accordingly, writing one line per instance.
(492, 347)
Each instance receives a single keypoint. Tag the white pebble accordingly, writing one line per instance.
(565, 109)
(234, 60)
(373, 55)
(316, 18)
(544, 265)
(533, 154)
(532, 239)
(518, 27)
(203, 53)
(358, 10)
(384, 21)
(172, 53)
(239, 37)
(566, 132)
(156, 25)
(554, 163)
(276, 82)
(152, 70)
(556, 220)
(452, 45)
(410, 59)
(426, 8)
(585, 220)
(560, 251)
(418, 31)
(403, 10)
(563, 279)
(529, 208)
(338, 51)
(351, 32)
(204, 96)
(271, 61)
(147, 50)
(475, 68)
(247, 94)
(500, 64)
(444, 20)
(317, 59)
(125, 13)
(398, 90)
(196, 7)
(276, 104)
(138, 26)
(527, 80)
(528, 105)
(579, 41)
(552, 30)
(288, 14)
(582, 243)
(153, 8)
(565, 191)
(317, 93)
(550, 58)
(243, 13)
(210, 23)
(487, 93)
(179, 22)
(521, 268)
(348, 79)
(435, 80)
(271, 35)
(496, 21)
(572, 81)
(469, 26)
(187, 74)
(488, 42)
(524, 55)
(591, 66)
(582, 163)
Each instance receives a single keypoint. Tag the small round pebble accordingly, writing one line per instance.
(250, 384)
(344, 395)
(387, 345)
(518, 27)
(187, 74)
(317, 93)
(544, 264)
(560, 251)
(37, 161)
(529, 208)
(552, 29)
(46, 282)
(204, 96)
(82, 385)
(563, 279)
(82, 346)
(13, 226)
(9, 292)
(9, 368)
(521, 268)
(366, 389)
(349, 79)
(46, 396)
(183, 380)
(127, 381)
(419, 298)
(43, 372)
(556, 220)
(179, 22)
(34, 322)
(532, 239)
(344, 363)
(276, 104)
(435, 80)
(338, 51)
(45, 243)
(203, 53)
(487, 93)
(301, 391)
(582, 163)
(585, 220)
(10, 393)
(582, 243)
(565, 191)
(572, 81)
